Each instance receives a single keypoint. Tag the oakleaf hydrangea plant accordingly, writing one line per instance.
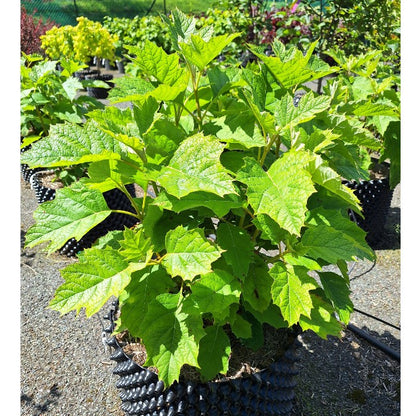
(240, 202)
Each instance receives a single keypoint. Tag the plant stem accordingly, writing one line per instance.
(120, 211)
(267, 148)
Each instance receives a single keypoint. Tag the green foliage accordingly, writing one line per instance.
(242, 198)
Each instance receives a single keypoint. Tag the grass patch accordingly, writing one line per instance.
(64, 12)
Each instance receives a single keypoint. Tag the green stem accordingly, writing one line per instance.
(267, 148)
(120, 211)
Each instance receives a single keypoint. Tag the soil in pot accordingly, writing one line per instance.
(258, 383)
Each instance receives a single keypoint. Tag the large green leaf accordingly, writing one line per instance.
(281, 192)
(331, 236)
(219, 205)
(73, 212)
(135, 247)
(189, 253)
(256, 287)
(213, 293)
(100, 274)
(214, 352)
(287, 115)
(322, 320)
(336, 288)
(119, 124)
(171, 337)
(239, 249)
(323, 175)
(155, 62)
(196, 166)
(200, 52)
(291, 67)
(291, 291)
(69, 144)
(238, 126)
(145, 285)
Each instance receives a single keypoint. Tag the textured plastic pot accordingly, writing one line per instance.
(269, 392)
(86, 72)
(375, 197)
(99, 93)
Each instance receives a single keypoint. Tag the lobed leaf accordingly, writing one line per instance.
(73, 212)
(171, 337)
(196, 166)
(189, 253)
(100, 274)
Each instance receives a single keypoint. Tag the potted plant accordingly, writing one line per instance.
(367, 90)
(238, 210)
(82, 42)
(48, 97)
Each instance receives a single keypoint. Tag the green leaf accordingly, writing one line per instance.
(271, 316)
(171, 337)
(196, 166)
(144, 113)
(219, 205)
(71, 87)
(181, 28)
(323, 175)
(100, 274)
(287, 115)
(145, 285)
(155, 62)
(322, 320)
(270, 230)
(69, 144)
(135, 247)
(281, 192)
(240, 327)
(119, 124)
(239, 249)
(213, 293)
(256, 287)
(214, 352)
(73, 212)
(375, 109)
(331, 236)
(162, 140)
(392, 150)
(337, 290)
(200, 52)
(291, 68)
(189, 253)
(291, 291)
(238, 126)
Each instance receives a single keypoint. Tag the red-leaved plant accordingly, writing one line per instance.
(30, 31)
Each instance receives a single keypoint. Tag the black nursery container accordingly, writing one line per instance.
(114, 198)
(97, 92)
(267, 393)
(375, 197)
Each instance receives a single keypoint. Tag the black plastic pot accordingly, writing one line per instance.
(86, 72)
(99, 92)
(42, 193)
(269, 392)
(375, 197)
(120, 67)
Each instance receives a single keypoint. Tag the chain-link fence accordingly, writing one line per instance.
(65, 12)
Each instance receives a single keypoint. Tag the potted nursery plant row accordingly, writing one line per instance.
(241, 210)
